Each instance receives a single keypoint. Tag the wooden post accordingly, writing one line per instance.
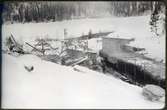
(63, 40)
(135, 71)
(65, 33)
(42, 44)
(125, 69)
(144, 68)
(90, 34)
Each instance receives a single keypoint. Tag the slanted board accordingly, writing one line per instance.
(53, 58)
(34, 47)
(16, 46)
(79, 61)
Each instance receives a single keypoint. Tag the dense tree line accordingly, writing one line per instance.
(131, 8)
(54, 11)
(157, 21)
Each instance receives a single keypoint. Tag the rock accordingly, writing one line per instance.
(29, 68)
(153, 92)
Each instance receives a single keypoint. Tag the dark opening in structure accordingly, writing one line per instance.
(136, 73)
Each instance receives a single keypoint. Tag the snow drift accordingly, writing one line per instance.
(51, 85)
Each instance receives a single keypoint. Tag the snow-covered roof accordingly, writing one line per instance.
(119, 35)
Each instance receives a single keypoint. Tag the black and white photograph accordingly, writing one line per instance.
(83, 54)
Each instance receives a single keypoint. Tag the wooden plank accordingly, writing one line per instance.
(80, 61)
(95, 35)
(13, 39)
(34, 47)
(17, 45)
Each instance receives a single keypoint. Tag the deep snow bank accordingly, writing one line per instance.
(51, 85)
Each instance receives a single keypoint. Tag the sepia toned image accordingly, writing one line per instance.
(83, 55)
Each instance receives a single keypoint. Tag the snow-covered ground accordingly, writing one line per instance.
(51, 85)
(131, 27)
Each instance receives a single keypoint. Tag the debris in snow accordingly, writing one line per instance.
(14, 46)
(80, 60)
(78, 68)
(153, 92)
(29, 68)
(59, 89)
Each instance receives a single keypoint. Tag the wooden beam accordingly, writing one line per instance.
(34, 47)
(80, 61)
(13, 39)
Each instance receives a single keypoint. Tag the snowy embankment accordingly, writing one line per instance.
(51, 85)
(133, 27)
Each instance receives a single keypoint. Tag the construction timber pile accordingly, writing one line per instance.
(126, 63)
(70, 52)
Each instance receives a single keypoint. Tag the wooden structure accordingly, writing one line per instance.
(14, 46)
(128, 62)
